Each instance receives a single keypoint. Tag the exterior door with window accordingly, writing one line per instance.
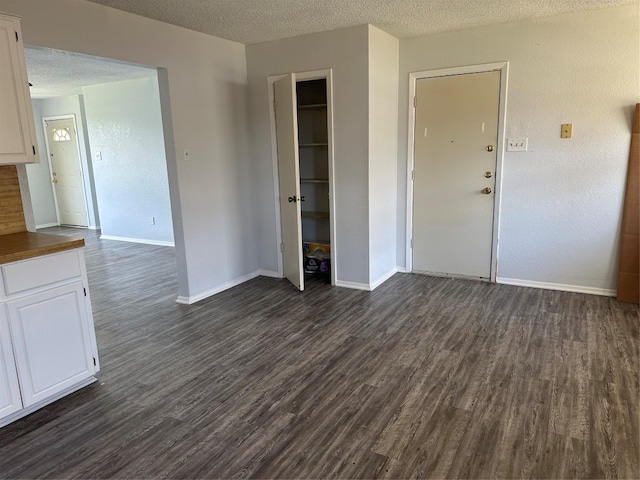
(66, 172)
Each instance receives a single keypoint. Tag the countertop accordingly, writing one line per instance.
(24, 245)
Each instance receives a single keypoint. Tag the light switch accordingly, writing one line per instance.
(98, 156)
(185, 154)
(567, 130)
(518, 144)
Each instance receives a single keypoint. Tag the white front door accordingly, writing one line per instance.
(66, 172)
(289, 178)
(456, 134)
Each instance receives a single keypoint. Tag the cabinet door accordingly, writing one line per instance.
(51, 340)
(9, 390)
(17, 131)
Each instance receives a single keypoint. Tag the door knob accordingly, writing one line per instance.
(489, 148)
(486, 190)
(292, 199)
(55, 180)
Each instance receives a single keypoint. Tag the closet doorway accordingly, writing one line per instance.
(302, 130)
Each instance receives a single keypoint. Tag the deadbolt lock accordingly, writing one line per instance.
(486, 190)
(488, 174)
(489, 148)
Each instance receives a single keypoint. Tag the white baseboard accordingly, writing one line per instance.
(557, 286)
(47, 225)
(269, 273)
(403, 270)
(190, 300)
(383, 278)
(367, 287)
(94, 227)
(355, 286)
(138, 240)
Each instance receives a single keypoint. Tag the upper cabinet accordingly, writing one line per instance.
(17, 131)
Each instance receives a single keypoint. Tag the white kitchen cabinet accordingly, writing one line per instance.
(51, 341)
(10, 400)
(47, 331)
(17, 129)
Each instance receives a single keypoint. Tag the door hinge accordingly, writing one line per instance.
(415, 102)
(282, 247)
(412, 243)
(274, 105)
(95, 362)
(34, 149)
(85, 291)
(413, 174)
(17, 39)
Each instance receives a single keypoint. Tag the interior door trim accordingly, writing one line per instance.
(503, 68)
(311, 75)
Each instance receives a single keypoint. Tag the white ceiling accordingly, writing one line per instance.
(56, 73)
(252, 21)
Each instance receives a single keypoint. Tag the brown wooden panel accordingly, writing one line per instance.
(11, 211)
(629, 268)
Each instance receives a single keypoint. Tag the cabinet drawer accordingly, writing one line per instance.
(40, 271)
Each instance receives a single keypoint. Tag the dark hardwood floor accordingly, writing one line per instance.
(425, 377)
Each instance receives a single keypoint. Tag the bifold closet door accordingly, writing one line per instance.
(289, 178)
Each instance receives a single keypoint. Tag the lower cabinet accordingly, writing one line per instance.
(10, 401)
(46, 333)
(51, 341)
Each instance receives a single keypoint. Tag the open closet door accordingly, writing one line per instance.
(289, 175)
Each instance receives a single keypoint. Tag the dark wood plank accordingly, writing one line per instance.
(425, 378)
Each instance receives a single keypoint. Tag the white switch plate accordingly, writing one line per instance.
(518, 144)
(185, 154)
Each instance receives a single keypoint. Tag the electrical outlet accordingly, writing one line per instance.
(519, 144)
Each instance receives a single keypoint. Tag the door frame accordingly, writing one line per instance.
(326, 74)
(68, 116)
(503, 68)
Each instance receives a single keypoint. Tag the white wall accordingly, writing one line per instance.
(39, 175)
(40, 183)
(346, 52)
(206, 77)
(384, 53)
(561, 200)
(124, 124)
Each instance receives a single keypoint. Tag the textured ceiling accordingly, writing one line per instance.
(56, 73)
(252, 21)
